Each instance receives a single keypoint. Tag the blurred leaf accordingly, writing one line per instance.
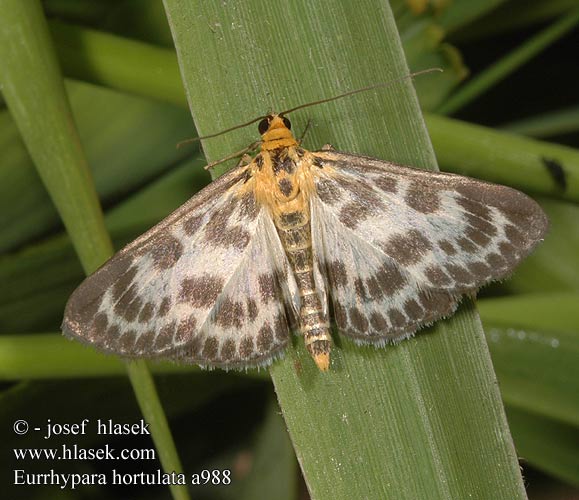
(477, 151)
(546, 444)
(509, 63)
(124, 150)
(534, 343)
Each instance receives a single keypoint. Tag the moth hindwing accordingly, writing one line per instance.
(269, 246)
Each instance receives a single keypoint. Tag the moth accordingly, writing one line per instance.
(292, 238)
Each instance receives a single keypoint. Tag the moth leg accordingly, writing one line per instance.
(244, 160)
(244, 152)
(301, 139)
(328, 147)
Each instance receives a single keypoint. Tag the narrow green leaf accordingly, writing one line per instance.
(558, 122)
(119, 163)
(274, 467)
(509, 63)
(34, 91)
(420, 420)
(512, 16)
(462, 13)
(146, 392)
(534, 344)
(505, 158)
(546, 444)
(114, 61)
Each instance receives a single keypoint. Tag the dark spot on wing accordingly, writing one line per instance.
(186, 329)
(340, 316)
(413, 310)
(192, 224)
(328, 191)
(246, 347)
(374, 289)
(219, 233)
(466, 245)
(386, 184)
(407, 248)
(474, 208)
(280, 328)
(353, 213)
(164, 338)
(437, 276)
(146, 312)
(460, 274)
(228, 350)
(264, 339)
(248, 207)
(337, 274)
(251, 309)
(144, 342)
(358, 320)
(164, 307)
(360, 289)
(397, 319)
(378, 322)
(230, 314)
(166, 251)
(509, 252)
(201, 291)
(210, 348)
(447, 247)
(100, 323)
(126, 306)
(435, 303)
(481, 271)
(423, 199)
(267, 287)
(496, 261)
(390, 279)
(124, 282)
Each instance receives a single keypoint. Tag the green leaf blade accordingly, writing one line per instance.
(420, 420)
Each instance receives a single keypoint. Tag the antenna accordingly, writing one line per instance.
(314, 103)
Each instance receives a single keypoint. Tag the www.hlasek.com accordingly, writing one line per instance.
(73, 452)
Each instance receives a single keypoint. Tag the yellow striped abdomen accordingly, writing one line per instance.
(295, 233)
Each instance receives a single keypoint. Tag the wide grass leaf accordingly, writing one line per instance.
(420, 420)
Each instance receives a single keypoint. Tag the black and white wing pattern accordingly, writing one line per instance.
(400, 246)
(207, 285)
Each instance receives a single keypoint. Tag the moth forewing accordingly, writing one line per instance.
(401, 246)
(264, 249)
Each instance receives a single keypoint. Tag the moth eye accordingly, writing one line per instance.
(287, 123)
(263, 125)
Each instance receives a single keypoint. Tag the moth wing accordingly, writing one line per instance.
(399, 246)
(207, 285)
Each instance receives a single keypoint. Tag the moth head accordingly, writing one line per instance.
(273, 121)
(275, 130)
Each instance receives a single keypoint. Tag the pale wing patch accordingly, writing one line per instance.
(249, 324)
(158, 296)
(402, 245)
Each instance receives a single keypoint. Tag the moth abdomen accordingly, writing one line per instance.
(295, 234)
